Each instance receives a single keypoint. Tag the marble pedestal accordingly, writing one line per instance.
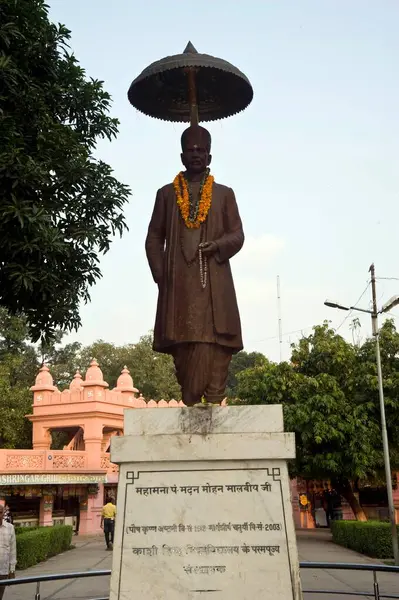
(204, 505)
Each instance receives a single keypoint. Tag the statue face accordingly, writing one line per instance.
(195, 156)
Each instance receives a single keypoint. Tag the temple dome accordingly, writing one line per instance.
(76, 383)
(125, 382)
(44, 380)
(94, 375)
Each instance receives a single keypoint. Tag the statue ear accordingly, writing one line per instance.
(182, 158)
(209, 159)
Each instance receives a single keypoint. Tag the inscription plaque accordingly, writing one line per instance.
(193, 533)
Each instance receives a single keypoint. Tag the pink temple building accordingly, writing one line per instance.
(44, 486)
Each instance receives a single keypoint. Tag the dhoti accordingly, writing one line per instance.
(201, 370)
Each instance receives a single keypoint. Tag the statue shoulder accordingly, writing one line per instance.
(223, 190)
(166, 190)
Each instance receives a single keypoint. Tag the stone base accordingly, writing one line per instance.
(204, 505)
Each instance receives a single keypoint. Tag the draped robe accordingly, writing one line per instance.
(186, 312)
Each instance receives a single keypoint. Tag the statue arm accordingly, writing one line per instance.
(233, 239)
(155, 242)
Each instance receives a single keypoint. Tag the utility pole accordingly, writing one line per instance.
(280, 330)
(387, 462)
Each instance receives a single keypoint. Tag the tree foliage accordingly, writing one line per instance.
(329, 393)
(153, 373)
(240, 361)
(18, 368)
(60, 206)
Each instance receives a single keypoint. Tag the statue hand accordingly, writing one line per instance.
(209, 248)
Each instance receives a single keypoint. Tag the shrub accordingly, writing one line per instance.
(19, 530)
(36, 545)
(372, 538)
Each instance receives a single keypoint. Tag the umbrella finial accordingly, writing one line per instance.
(190, 49)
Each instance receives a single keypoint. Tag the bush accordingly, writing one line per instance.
(19, 530)
(37, 545)
(372, 538)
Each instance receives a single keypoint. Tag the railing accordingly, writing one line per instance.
(106, 463)
(375, 593)
(28, 462)
(56, 577)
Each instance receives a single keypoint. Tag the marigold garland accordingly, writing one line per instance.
(183, 199)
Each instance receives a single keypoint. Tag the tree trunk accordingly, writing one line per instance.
(344, 487)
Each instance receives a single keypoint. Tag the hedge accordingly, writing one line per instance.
(19, 530)
(37, 545)
(372, 538)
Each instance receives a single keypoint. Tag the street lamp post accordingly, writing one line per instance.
(387, 463)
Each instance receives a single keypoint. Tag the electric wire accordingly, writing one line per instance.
(354, 306)
(275, 337)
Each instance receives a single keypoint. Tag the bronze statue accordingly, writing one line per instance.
(194, 231)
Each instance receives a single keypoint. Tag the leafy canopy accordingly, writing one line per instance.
(329, 393)
(239, 362)
(18, 368)
(60, 206)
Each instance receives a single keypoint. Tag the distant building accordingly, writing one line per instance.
(44, 486)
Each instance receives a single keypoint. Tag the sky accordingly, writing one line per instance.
(313, 160)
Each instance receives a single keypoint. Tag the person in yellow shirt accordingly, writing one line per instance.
(108, 522)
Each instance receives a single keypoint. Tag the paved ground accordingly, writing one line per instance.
(90, 554)
(317, 546)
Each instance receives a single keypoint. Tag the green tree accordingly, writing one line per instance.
(324, 351)
(16, 352)
(337, 433)
(63, 361)
(240, 361)
(60, 206)
(15, 403)
(18, 368)
(367, 383)
(110, 357)
(153, 373)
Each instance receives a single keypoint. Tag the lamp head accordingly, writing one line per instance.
(392, 302)
(332, 304)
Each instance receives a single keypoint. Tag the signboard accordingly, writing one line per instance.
(221, 531)
(50, 479)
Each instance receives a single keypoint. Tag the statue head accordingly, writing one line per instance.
(196, 149)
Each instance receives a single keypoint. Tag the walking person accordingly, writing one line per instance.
(7, 515)
(108, 523)
(77, 515)
(327, 505)
(8, 550)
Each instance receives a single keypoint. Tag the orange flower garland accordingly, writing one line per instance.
(183, 199)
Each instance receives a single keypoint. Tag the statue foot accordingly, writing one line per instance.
(191, 401)
(205, 404)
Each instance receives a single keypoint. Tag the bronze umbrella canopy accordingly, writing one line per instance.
(190, 87)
